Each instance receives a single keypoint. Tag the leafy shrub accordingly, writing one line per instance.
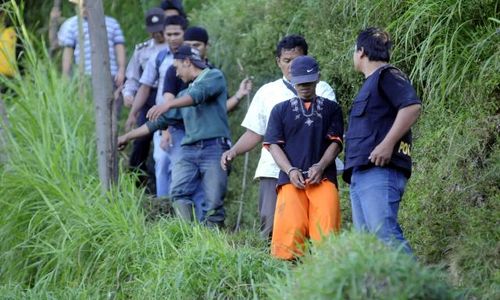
(450, 51)
(356, 266)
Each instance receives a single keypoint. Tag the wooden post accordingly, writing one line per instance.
(102, 89)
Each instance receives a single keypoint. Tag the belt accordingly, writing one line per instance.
(211, 141)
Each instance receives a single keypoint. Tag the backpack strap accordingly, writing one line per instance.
(160, 57)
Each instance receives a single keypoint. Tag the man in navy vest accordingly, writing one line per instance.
(378, 139)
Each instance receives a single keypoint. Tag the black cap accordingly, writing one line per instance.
(304, 69)
(155, 20)
(186, 51)
(196, 34)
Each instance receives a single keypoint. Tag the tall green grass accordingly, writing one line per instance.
(62, 239)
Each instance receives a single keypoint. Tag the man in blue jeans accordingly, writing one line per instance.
(207, 135)
(378, 139)
(196, 37)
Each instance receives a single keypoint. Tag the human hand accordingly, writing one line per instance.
(226, 158)
(122, 142)
(315, 174)
(166, 140)
(297, 179)
(245, 88)
(157, 110)
(381, 155)
(119, 78)
(131, 121)
(128, 100)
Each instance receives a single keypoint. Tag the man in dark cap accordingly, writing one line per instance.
(155, 25)
(304, 136)
(153, 74)
(203, 110)
(196, 37)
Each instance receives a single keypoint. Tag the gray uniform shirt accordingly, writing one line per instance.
(137, 65)
(155, 75)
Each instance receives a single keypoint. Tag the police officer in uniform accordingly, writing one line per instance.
(378, 139)
(155, 24)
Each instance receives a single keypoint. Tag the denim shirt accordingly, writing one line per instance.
(207, 117)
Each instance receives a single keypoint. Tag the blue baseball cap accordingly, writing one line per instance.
(186, 51)
(304, 69)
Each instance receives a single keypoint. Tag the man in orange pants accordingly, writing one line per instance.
(304, 135)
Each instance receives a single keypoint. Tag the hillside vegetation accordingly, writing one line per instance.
(450, 49)
(62, 239)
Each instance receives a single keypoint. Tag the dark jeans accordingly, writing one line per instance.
(199, 164)
(141, 146)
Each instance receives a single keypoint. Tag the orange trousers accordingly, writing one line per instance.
(300, 214)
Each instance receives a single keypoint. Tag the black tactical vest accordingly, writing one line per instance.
(370, 119)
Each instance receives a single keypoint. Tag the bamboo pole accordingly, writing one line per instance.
(245, 166)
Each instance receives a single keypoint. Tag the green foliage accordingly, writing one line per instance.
(450, 50)
(357, 266)
(61, 238)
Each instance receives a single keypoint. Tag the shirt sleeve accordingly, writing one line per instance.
(159, 124)
(150, 73)
(398, 89)
(324, 90)
(274, 132)
(171, 83)
(335, 132)
(255, 118)
(211, 85)
(133, 75)
(118, 37)
(66, 35)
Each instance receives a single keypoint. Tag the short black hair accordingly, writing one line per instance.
(173, 4)
(376, 44)
(290, 42)
(176, 20)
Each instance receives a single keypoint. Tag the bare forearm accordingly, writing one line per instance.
(120, 57)
(405, 118)
(67, 60)
(280, 157)
(232, 103)
(329, 156)
(140, 98)
(137, 133)
(168, 97)
(247, 142)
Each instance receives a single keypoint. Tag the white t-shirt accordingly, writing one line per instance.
(259, 111)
